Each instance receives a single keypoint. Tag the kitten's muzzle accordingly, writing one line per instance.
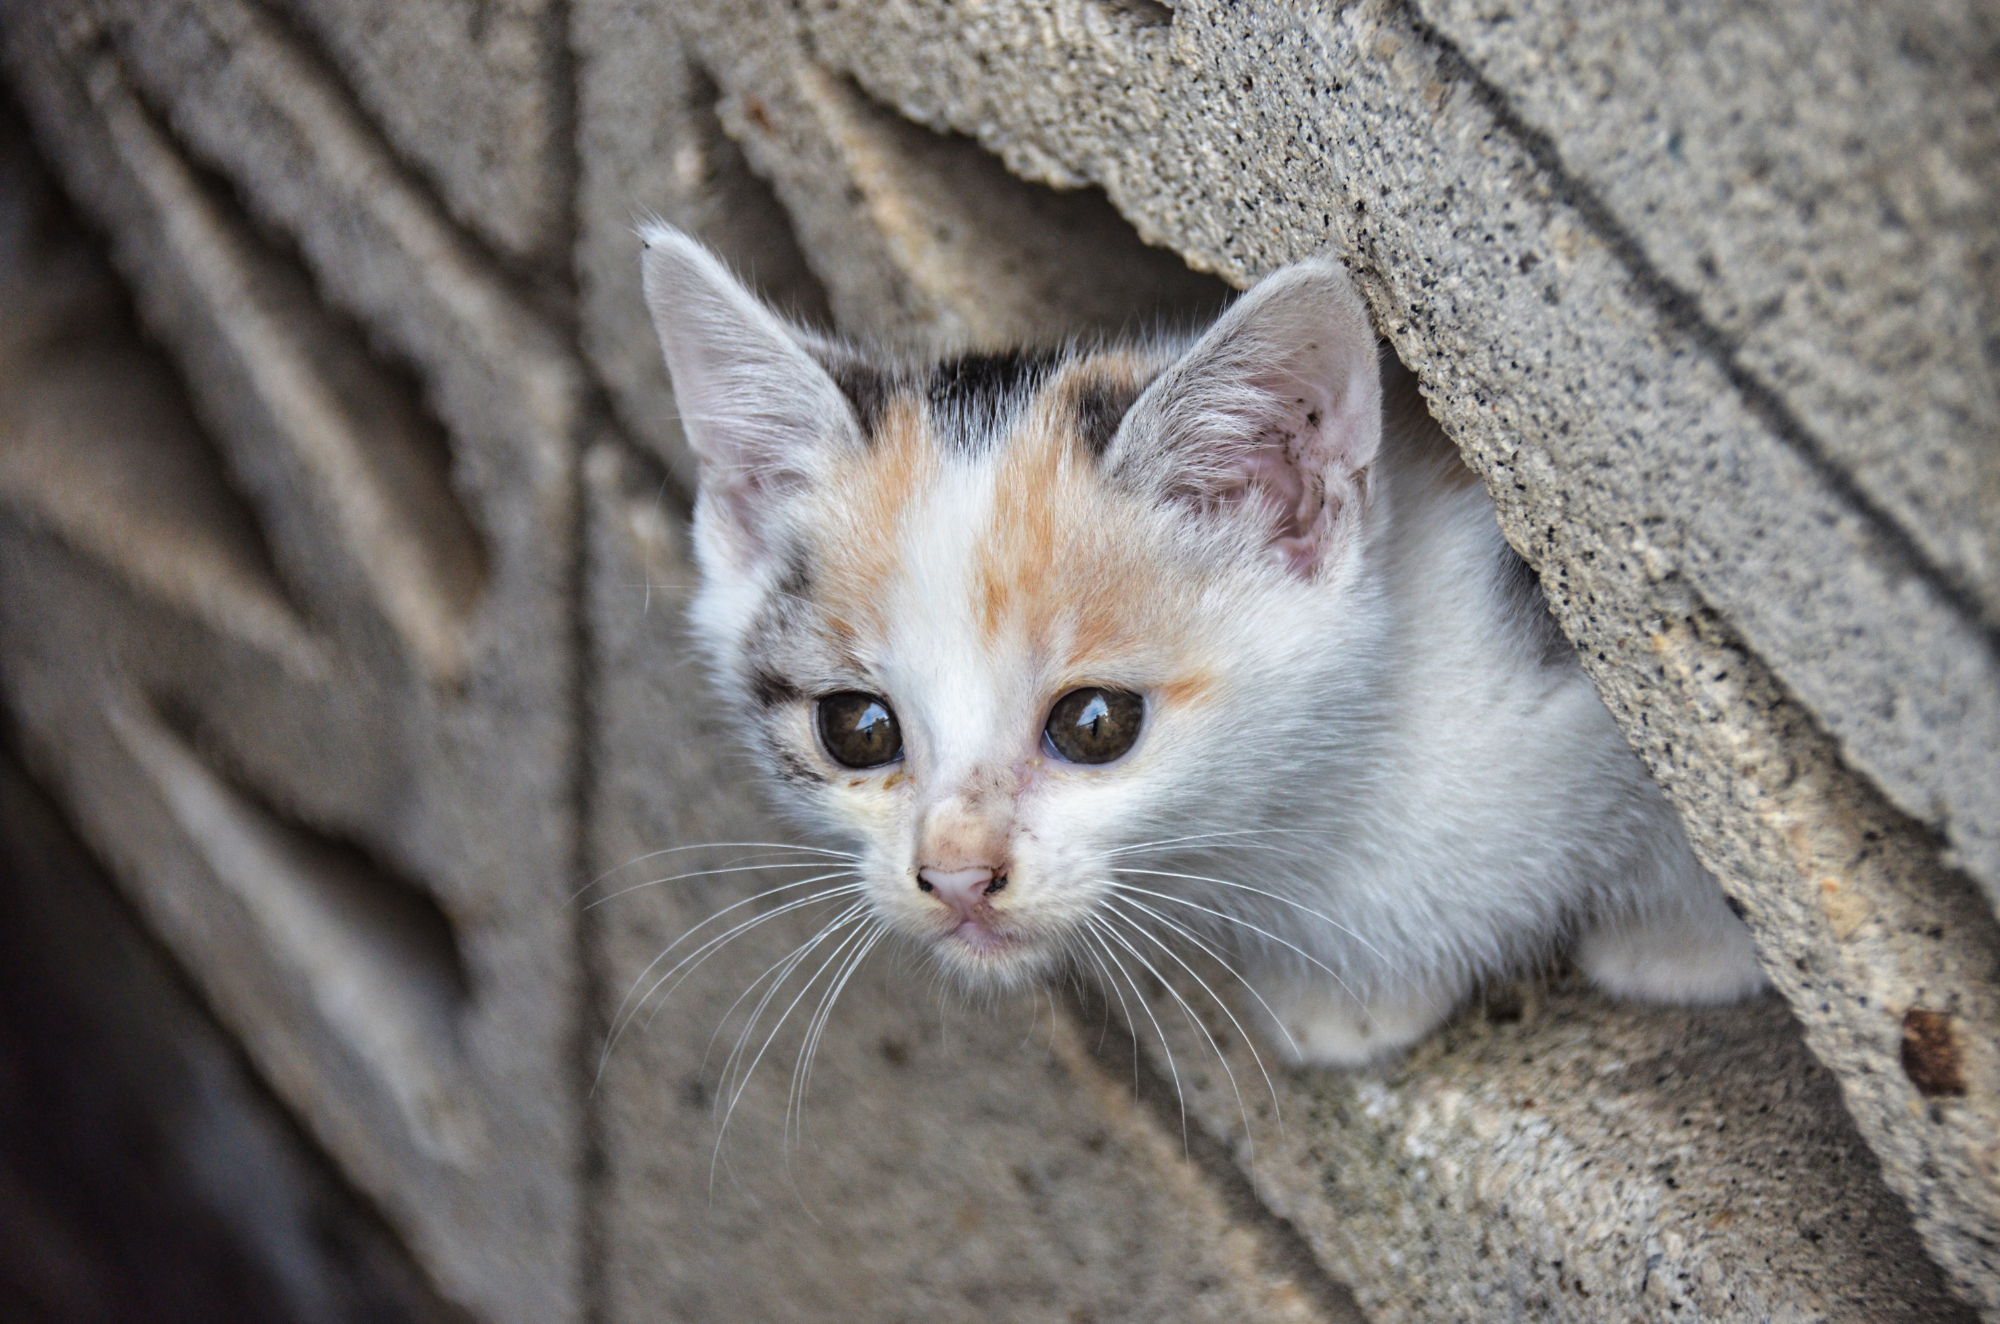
(964, 890)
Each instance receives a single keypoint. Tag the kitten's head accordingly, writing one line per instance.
(995, 618)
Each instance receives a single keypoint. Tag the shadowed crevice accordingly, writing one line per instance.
(147, 1172)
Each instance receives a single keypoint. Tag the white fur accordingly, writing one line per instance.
(1395, 791)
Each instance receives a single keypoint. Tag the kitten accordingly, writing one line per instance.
(1180, 638)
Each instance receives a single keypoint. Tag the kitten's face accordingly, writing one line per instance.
(980, 657)
(993, 620)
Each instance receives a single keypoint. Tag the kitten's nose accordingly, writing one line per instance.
(961, 889)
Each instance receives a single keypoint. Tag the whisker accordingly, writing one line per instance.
(778, 972)
(1240, 922)
(1189, 934)
(1123, 1010)
(794, 1098)
(716, 845)
(704, 873)
(1248, 1042)
(742, 1076)
(1265, 892)
(1164, 843)
(622, 1020)
(1099, 931)
(1221, 1058)
(816, 1024)
(697, 927)
(810, 1054)
(782, 969)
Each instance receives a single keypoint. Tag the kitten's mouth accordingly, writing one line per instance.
(990, 955)
(986, 957)
(981, 937)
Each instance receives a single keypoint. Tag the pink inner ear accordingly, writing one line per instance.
(1272, 474)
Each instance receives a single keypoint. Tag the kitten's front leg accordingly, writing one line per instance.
(1691, 950)
(1315, 1022)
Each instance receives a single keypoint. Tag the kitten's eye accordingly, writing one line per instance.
(1093, 725)
(858, 729)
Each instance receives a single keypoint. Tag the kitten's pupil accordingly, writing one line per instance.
(859, 730)
(1094, 725)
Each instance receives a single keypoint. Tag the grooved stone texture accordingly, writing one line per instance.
(346, 625)
(293, 649)
(471, 93)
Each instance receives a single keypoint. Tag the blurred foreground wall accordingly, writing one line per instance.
(342, 551)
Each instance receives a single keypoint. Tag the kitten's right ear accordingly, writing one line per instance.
(760, 412)
(1274, 413)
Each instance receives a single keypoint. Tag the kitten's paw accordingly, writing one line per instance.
(1702, 958)
(1322, 1025)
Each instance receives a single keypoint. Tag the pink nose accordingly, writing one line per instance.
(961, 889)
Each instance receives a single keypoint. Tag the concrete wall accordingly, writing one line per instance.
(383, 665)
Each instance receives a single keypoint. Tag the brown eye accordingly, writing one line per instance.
(858, 730)
(1093, 725)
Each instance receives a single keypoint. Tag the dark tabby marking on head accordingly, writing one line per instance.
(771, 690)
(977, 389)
(1100, 406)
(867, 390)
(789, 767)
(797, 581)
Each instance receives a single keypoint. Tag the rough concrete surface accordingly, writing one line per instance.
(1707, 294)
(243, 96)
(344, 809)
(1821, 180)
(1555, 1157)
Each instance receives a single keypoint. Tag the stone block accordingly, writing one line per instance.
(244, 98)
(306, 689)
(1819, 183)
(1551, 1156)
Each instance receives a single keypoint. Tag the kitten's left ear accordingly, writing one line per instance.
(1277, 409)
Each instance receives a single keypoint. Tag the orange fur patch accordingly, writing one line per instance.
(1187, 689)
(871, 498)
(1053, 565)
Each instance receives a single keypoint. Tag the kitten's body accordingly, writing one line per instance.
(1369, 771)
